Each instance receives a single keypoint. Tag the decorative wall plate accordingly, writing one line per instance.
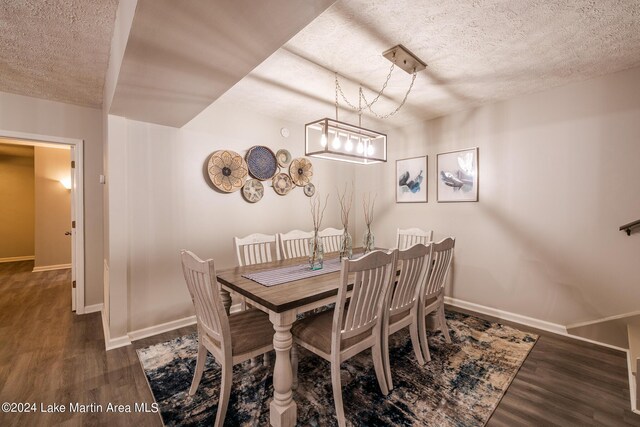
(284, 157)
(282, 184)
(253, 190)
(309, 190)
(301, 171)
(227, 170)
(261, 162)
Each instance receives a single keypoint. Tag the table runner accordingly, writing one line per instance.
(291, 273)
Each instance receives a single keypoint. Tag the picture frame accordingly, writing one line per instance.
(457, 176)
(411, 180)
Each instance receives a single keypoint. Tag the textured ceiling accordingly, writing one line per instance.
(57, 50)
(476, 51)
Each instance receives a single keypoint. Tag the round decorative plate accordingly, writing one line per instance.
(301, 171)
(284, 157)
(282, 184)
(227, 170)
(309, 190)
(261, 162)
(253, 190)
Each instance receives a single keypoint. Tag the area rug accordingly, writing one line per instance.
(461, 385)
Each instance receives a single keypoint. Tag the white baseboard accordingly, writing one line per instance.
(51, 267)
(111, 343)
(161, 328)
(554, 328)
(604, 319)
(18, 258)
(93, 308)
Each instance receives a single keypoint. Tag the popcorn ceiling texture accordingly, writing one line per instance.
(477, 52)
(56, 49)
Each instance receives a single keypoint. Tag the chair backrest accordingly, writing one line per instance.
(414, 265)
(410, 236)
(371, 276)
(295, 243)
(331, 239)
(441, 256)
(210, 314)
(256, 249)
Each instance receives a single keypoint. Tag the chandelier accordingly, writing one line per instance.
(335, 140)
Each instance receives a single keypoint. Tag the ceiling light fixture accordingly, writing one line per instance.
(370, 146)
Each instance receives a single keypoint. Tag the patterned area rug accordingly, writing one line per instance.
(461, 386)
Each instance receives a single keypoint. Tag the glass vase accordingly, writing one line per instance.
(346, 245)
(368, 241)
(316, 252)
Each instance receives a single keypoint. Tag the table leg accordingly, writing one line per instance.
(225, 296)
(283, 409)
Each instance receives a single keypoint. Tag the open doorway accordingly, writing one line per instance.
(57, 233)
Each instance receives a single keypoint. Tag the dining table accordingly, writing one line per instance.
(283, 302)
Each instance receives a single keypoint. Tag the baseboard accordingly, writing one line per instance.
(112, 343)
(18, 258)
(604, 319)
(93, 308)
(51, 267)
(161, 328)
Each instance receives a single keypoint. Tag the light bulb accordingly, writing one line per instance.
(349, 145)
(323, 140)
(336, 142)
(360, 147)
(370, 150)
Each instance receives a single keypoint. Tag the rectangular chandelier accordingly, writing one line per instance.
(330, 139)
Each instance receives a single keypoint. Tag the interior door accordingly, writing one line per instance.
(73, 228)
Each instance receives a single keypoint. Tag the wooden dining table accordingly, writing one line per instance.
(282, 302)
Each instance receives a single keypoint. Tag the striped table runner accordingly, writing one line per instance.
(282, 275)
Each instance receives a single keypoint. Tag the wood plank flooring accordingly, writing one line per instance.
(49, 355)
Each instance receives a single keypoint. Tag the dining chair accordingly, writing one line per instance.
(410, 236)
(402, 301)
(294, 244)
(331, 238)
(231, 339)
(432, 294)
(256, 249)
(348, 329)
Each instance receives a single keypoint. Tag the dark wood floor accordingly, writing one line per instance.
(49, 355)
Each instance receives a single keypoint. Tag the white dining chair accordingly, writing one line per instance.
(294, 244)
(410, 236)
(402, 302)
(256, 249)
(432, 294)
(331, 238)
(231, 339)
(348, 329)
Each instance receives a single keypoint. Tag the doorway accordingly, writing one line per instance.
(75, 182)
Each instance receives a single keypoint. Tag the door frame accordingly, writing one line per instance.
(32, 139)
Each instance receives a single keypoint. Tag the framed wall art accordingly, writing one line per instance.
(411, 180)
(457, 179)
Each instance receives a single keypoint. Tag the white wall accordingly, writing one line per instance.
(38, 116)
(163, 202)
(17, 209)
(558, 176)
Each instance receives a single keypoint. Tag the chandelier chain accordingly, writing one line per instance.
(368, 105)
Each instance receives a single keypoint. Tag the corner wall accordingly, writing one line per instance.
(558, 176)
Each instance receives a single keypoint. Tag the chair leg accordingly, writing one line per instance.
(254, 362)
(225, 392)
(415, 341)
(294, 366)
(443, 323)
(266, 359)
(200, 361)
(378, 365)
(422, 333)
(337, 392)
(386, 362)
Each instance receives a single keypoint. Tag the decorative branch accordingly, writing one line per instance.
(317, 211)
(368, 206)
(346, 201)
